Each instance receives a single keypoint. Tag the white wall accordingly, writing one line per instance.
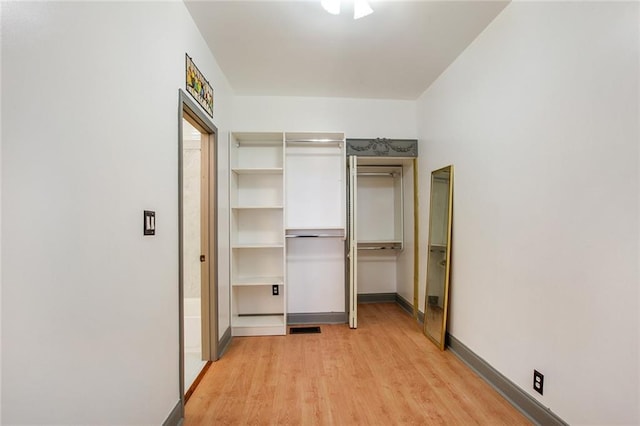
(358, 118)
(1, 221)
(540, 118)
(89, 140)
(377, 272)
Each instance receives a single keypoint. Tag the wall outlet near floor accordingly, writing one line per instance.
(538, 381)
(274, 290)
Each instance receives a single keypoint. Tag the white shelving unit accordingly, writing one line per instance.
(287, 198)
(315, 217)
(257, 234)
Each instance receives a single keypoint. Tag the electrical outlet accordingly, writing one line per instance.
(538, 381)
(274, 290)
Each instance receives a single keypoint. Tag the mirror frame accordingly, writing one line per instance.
(443, 329)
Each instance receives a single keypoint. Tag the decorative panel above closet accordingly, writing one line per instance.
(382, 147)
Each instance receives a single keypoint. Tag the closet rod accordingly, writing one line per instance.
(377, 174)
(378, 248)
(314, 236)
(315, 140)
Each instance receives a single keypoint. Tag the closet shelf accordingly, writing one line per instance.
(264, 320)
(258, 281)
(310, 228)
(379, 245)
(258, 325)
(257, 171)
(274, 207)
(306, 139)
(315, 233)
(256, 245)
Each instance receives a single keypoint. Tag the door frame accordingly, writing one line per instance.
(353, 241)
(351, 273)
(188, 107)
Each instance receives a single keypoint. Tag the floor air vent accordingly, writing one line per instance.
(304, 330)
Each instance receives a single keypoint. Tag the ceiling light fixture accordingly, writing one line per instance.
(331, 6)
(361, 8)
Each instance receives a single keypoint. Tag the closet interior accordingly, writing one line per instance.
(382, 231)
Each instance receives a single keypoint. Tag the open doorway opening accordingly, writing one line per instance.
(383, 261)
(197, 242)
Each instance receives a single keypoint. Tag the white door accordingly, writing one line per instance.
(353, 242)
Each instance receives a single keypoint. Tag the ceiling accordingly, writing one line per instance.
(295, 48)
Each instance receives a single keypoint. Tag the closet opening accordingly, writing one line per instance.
(382, 249)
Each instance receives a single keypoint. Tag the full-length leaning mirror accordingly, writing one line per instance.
(439, 255)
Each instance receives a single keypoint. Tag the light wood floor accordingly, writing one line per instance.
(384, 373)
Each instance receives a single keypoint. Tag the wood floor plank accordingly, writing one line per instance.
(385, 372)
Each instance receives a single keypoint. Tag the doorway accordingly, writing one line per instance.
(197, 245)
(383, 233)
(195, 187)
